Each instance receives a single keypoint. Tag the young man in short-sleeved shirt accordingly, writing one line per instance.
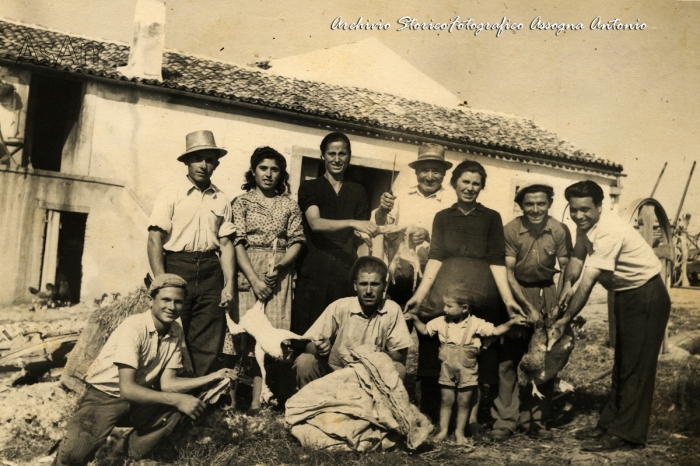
(142, 353)
(617, 257)
(535, 243)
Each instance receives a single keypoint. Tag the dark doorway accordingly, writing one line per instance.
(69, 260)
(375, 180)
(52, 111)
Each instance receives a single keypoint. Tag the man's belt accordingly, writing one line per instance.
(540, 284)
(193, 254)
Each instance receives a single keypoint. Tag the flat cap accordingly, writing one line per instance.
(529, 185)
(166, 280)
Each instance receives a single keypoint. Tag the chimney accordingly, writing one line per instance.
(148, 42)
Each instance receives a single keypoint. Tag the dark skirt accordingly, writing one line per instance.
(476, 276)
(322, 279)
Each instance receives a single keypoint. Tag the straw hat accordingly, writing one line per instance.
(431, 152)
(200, 140)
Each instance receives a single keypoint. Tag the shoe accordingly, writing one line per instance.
(607, 443)
(253, 412)
(589, 433)
(499, 434)
(540, 434)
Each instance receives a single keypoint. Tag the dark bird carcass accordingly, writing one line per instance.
(539, 365)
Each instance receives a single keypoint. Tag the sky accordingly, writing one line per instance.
(632, 97)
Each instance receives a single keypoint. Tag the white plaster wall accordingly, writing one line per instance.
(138, 135)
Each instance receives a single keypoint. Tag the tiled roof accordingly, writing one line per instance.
(199, 76)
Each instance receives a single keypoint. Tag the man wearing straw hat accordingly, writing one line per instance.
(189, 235)
(416, 206)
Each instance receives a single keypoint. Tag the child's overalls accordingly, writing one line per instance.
(459, 366)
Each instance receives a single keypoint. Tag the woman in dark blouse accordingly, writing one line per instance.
(467, 246)
(334, 210)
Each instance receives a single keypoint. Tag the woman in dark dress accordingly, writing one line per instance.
(334, 210)
(467, 246)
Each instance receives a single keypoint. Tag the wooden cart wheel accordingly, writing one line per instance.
(649, 218)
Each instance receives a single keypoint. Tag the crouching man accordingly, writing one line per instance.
(365, 319)
(618, 258)
(142, 352)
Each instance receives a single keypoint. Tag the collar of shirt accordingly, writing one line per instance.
(357, 309)
(151, 326)
(525, 229)
(464, 323)
(189, 186)
(413, 190)
(253, 196)
(456, 212)
(590, 235)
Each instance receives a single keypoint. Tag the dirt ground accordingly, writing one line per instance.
(32, 417)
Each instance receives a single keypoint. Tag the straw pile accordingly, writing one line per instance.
(100, 326)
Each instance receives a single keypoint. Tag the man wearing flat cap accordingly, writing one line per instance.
(141, 354)
(535, 243)
(189, 235)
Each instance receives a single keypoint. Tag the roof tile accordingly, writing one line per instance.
(202, 76)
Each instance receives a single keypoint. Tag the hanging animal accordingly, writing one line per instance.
(403, 260)
(539, 365)
(268, 339)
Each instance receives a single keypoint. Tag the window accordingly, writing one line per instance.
(52, 115)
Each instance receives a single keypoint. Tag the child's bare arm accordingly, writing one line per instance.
(503, 328)
(420, 326)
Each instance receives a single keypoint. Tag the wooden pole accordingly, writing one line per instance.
(685, 191)
(683, 229)
(659, 179)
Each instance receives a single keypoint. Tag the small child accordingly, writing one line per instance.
(459, 333)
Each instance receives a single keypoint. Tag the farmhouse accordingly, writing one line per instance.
(88, 142)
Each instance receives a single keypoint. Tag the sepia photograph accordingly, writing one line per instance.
(349, 232)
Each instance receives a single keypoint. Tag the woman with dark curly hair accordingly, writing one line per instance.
(266, 214)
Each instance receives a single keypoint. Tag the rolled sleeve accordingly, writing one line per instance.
(483, 328)
(127, 346)
(307, 197)
(325, 326)
(295, 229)
(392, 217)
(226, 228)
(511, 240)
(162, 213)
(238, 212)
(398, 337)
(434, 326)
